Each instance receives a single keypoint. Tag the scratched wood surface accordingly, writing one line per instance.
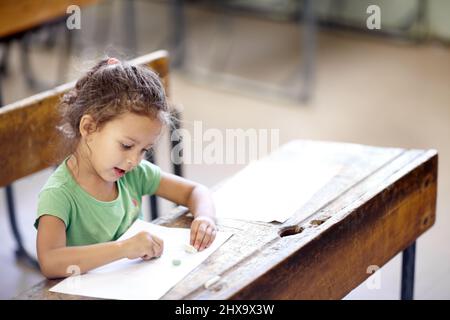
(381, 201)
(21, 15)
(28, 128)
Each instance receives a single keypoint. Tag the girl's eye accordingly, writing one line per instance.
(126, 146)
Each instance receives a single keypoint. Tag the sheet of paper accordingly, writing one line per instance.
(272, 189)
(138, 279)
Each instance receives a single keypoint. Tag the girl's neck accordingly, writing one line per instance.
(89, 180)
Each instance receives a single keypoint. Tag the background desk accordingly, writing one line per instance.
(377, 206)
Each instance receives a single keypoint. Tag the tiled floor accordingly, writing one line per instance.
(368, 90)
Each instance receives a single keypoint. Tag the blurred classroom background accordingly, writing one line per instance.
(312, 69)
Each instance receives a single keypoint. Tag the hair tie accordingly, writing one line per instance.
(112, 61)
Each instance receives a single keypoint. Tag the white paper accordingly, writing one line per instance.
(273, 188)
(138, 279)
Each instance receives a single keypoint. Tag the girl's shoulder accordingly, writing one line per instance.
(59, 179)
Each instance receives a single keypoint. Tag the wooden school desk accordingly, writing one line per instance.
(378, 204)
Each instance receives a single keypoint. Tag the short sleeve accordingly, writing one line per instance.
(54, 202)
(149, 176)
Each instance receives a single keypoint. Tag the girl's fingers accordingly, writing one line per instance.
(195, 233)
(158, 241)
(194, 229)
(207, 238)
(201, 232)
(211, 238)
(148, 256)
(152, 251)
(158, 246)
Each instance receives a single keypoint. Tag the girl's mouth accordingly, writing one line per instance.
(119, 172)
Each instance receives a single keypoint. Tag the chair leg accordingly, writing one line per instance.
(408, 266)
(102, 27)
(25, 61)
(30, 78)
(178, 31)
(153, 201)
(21, 253)
(308, 48)
(177, 165)
(130, 27)
(4, 60)
(153, 208)
(64, 59)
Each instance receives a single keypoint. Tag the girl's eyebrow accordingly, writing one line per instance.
(134, 140)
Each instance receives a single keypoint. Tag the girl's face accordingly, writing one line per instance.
(121, 144)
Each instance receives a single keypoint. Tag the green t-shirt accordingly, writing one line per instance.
(88, 220)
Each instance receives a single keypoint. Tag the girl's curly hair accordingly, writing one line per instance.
(109, 90)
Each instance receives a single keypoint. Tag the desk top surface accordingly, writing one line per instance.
(381, 201)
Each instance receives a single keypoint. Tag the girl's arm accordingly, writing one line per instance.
(57, 260)
(198, 199)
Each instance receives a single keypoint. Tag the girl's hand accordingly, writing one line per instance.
(143, 245)
(203, 232)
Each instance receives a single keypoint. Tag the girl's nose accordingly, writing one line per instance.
(129, 164)
(133, 161)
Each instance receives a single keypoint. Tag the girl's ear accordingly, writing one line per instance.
(87, 125)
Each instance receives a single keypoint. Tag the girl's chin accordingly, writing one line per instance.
(109, 178)
(113, 178)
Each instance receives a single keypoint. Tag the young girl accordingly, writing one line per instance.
(114, 115)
